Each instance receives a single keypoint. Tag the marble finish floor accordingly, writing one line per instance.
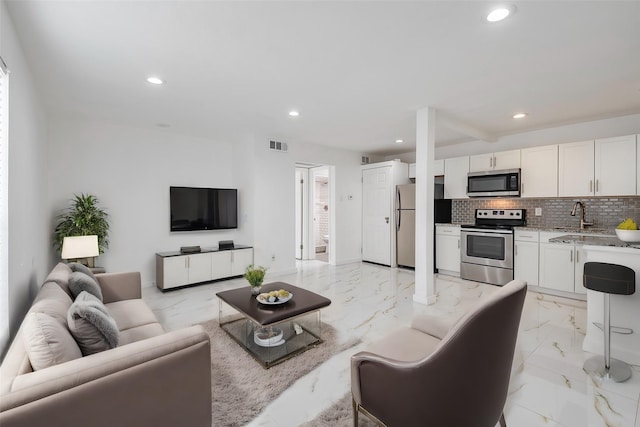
(548, 386)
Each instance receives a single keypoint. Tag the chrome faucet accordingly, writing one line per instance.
(583, 222)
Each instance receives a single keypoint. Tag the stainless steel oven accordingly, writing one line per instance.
(486, 249)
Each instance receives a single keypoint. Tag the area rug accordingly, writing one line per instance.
(339, 415)
(242, 388)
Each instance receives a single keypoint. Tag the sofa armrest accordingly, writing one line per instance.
(160, 381)
(120, 286)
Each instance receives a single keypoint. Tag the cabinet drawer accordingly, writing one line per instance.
(447, 230)
(526, 235)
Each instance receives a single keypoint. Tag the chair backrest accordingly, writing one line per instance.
(609, 278)
(464, 382)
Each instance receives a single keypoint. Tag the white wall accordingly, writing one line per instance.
(273, 213)
(130, 170)
(28, 219)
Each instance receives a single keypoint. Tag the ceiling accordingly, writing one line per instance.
(357, 71)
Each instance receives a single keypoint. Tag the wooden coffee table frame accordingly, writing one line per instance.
(239, 315)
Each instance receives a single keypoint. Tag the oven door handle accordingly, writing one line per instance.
(492, 233)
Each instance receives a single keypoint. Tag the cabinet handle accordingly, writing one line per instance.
(590, 185)
(577, 256)
(490, 162)
(526, 235)
(597, 185)
(495, 161)
(458, 243)
(522, 187)
(571, 256)
(515, 249)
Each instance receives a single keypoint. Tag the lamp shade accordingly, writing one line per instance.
(80, 247)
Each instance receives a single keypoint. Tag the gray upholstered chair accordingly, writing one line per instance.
(425, 375)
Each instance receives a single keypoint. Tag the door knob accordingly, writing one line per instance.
(386, 218)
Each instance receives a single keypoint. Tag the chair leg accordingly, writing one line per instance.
(355, 412)
(503, 423)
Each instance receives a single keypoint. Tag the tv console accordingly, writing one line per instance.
(175, 269)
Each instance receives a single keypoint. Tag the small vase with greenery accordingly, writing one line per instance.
(83, 218)
(255, 276)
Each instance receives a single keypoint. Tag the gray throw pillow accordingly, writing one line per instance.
(79, 282)
(76, 266)
(91, 325)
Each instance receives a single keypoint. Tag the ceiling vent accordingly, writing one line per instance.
(365, 160)
(278, 146)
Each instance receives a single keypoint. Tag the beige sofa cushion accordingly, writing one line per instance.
(47, 341)
(60, 276)
(131, 313)
(140, 333)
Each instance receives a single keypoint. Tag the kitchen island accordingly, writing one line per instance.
(625, 309)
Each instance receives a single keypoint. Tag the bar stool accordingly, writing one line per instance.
(608, 279)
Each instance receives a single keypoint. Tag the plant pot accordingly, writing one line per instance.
(255, 290)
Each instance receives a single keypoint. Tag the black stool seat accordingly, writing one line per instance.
(609, 278)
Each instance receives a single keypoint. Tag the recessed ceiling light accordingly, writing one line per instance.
(294, 113)
(399, 141)
(154, 80)
(500, 13)
(520, 115)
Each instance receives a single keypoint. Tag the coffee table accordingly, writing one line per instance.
(283, 330)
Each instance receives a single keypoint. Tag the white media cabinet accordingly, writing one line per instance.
(177, 269)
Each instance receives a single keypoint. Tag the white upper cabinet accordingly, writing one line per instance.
(412, 170)
(615, 166)
(455, 177)
(495, 161)
(438, 167)
(575, 169)
(539, 177)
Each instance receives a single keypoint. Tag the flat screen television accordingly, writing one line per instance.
(194, 209)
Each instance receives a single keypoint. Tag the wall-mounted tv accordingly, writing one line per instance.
(195, 209)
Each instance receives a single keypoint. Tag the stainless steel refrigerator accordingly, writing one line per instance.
(406, 219)
(406, 225)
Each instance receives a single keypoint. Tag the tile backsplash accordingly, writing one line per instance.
(605, 212)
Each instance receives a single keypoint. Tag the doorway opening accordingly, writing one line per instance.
(314, 196)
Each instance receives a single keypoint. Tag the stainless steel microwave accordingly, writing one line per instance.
(502, 183)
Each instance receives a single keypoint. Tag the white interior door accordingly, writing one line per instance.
(376, 215)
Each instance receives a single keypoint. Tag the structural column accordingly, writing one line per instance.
(425, 155)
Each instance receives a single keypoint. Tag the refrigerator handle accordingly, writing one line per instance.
(398, 201)
(398, 213)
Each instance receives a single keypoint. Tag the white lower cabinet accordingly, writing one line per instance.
(525, 256)
(174, 269)
(448, 249)
(557, 268)
(240, 260)
(220, 265)
(561, 265)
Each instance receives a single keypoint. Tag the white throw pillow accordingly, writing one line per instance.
(47, 341)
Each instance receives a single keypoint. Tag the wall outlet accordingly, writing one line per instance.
(538, 211)
(273, 257)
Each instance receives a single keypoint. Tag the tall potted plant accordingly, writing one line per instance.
(83, 218)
